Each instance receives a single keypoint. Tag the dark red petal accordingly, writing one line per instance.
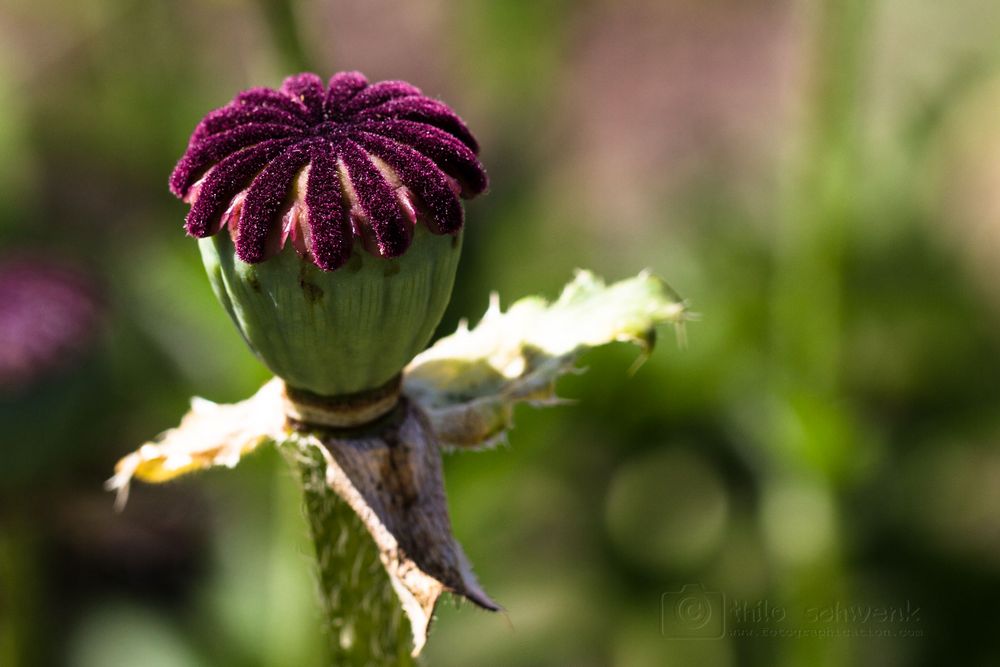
(376, 94)
(267, 195)
(235, 115)
(450, 154)
(205, 152)
(422, 176)
(377, 199)
(308, 89)
(342, 88)
(227, 179)
(268, 97)
(423, 110)
(330, 234)
(350, 129)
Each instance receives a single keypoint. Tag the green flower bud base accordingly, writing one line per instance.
(336, 332)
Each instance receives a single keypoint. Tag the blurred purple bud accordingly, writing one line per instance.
(49, 316)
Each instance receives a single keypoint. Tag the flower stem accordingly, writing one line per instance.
(280, 19)
(362, 616)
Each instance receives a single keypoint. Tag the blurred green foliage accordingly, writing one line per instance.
(819, 179)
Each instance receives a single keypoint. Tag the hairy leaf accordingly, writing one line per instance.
(470, 381)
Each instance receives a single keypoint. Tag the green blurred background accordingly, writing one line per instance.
(821, 180)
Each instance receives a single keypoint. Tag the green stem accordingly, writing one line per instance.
(10, 640)
(825, 202)
(18, 597)
(362, 616)
(279, 17)
(824, 210)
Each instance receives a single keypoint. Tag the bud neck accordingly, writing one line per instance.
(305, 409)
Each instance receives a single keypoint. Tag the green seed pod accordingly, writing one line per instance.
(341, 331)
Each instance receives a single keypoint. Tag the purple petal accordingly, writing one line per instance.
(390, 231)
(376, 94)
(308, 89)
(268, 97)
(423, 110)
(450, 154)
(235, 115)
(422, 176)
(205, 152)
(265, 198)
(342, 88)
(225, 181)
(330, 234)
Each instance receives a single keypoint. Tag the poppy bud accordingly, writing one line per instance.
(330, 223)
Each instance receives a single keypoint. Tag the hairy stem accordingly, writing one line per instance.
(362, 616)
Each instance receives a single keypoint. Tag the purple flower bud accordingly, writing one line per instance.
(319, 166)
(48, 316)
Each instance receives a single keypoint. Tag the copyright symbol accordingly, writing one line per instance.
(694, 611)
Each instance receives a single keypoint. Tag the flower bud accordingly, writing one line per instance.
(49, 315)
(330, 222)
